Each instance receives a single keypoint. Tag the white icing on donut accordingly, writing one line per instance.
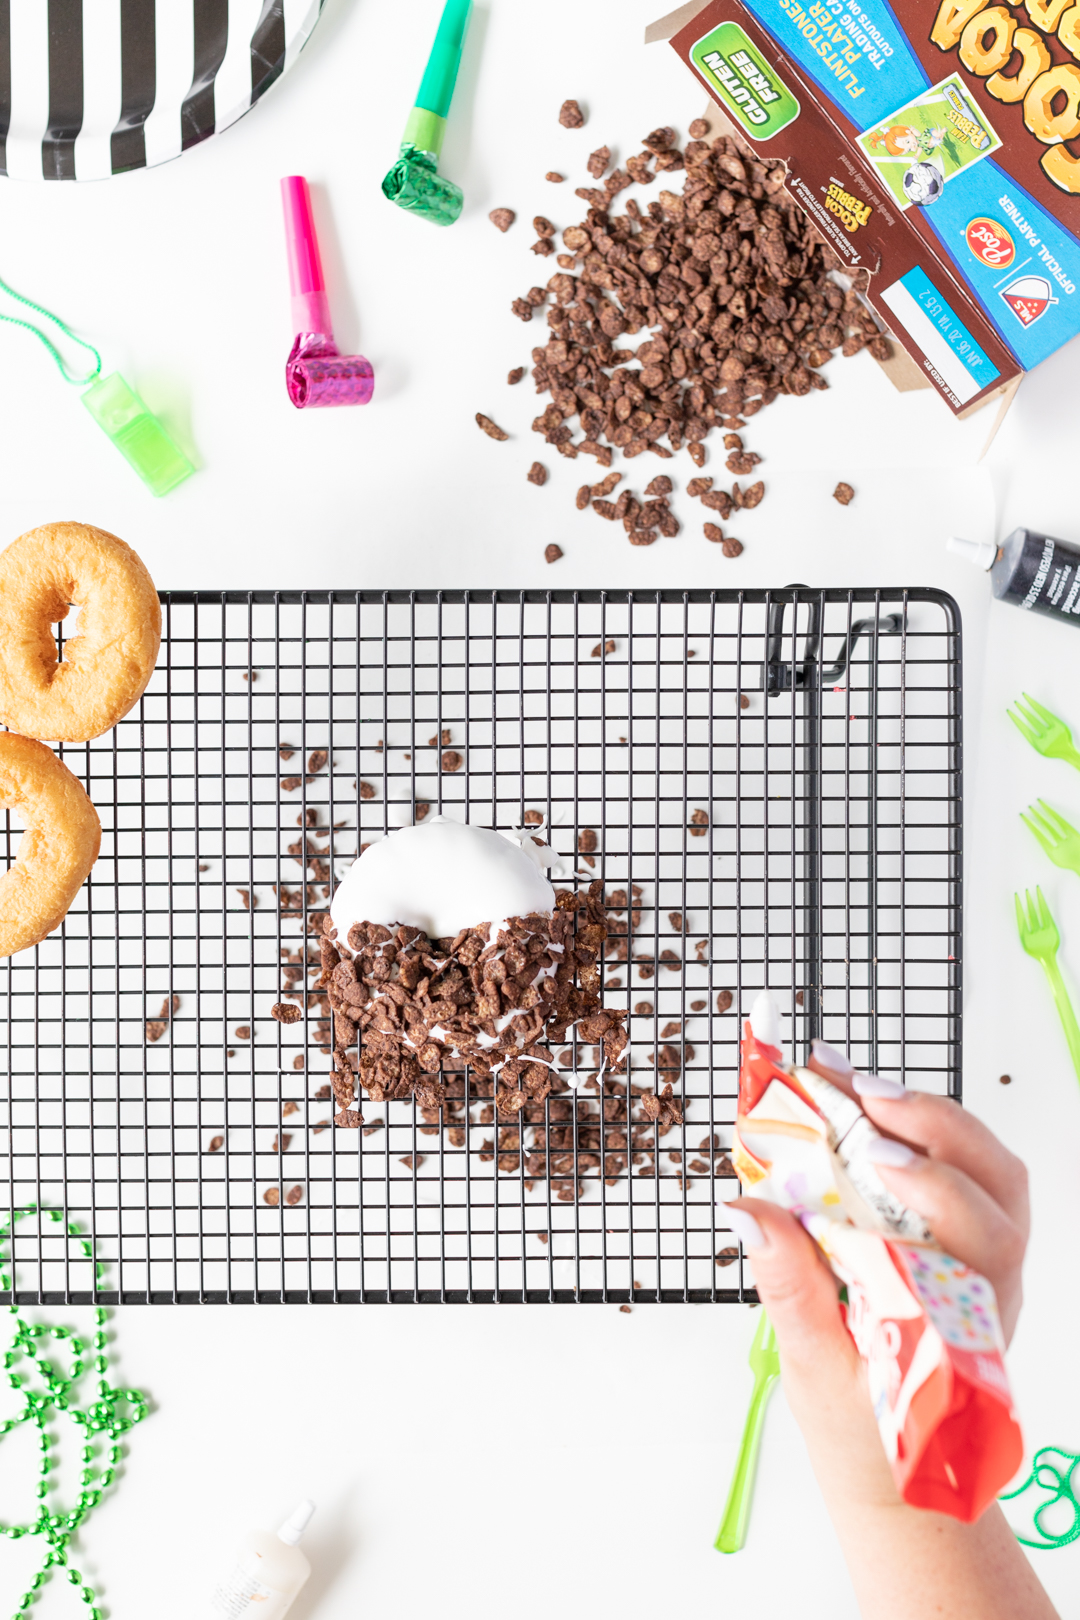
(442, 876)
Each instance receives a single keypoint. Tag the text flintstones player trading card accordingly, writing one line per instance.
(921, 146)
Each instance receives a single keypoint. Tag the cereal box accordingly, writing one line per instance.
(934, 145)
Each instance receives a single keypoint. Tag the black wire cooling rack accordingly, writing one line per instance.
(778, 774)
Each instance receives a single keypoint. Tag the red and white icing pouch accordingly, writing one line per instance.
(926, 1326)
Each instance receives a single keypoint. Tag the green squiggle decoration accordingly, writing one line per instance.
(1050, 1477)
(102, 1423)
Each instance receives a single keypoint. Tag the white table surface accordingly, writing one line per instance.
(495, 1461)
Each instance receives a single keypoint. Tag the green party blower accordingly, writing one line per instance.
(415, 182)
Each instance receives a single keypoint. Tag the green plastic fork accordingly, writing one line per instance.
(765, 1366)
(1048, 735)
(1056, 837)
(1040, 938)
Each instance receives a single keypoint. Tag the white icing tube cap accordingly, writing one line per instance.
(296, 1523)
(979, 552)
(765, 1020)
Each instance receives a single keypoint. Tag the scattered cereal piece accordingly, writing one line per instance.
(844, 494)
(537, 474)
(489, 427)
(660, 140)
(571, 115)
(156, 1027)
(502, 218)
(552, 553)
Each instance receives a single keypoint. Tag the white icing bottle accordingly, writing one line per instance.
(268, 1573)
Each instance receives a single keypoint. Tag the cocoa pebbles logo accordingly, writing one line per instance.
(991, 243)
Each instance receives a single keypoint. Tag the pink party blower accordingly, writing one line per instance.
(316, 372)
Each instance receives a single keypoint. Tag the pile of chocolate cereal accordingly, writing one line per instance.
(734, 287)
(421, 1014)
(408, 1001)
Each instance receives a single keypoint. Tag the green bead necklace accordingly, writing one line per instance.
(102, 1423)
(1052, 1470)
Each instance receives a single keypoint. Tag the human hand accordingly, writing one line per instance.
(972, 1192)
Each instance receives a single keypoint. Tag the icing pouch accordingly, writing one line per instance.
(925, 1325)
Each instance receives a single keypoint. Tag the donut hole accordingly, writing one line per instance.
(66, 629)
(13, 824)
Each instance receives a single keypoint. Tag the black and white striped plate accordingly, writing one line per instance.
(92, 88)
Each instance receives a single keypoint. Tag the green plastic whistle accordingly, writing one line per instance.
(137, 434)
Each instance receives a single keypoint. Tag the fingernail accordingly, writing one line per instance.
(895, 1155)
(746, 1229)
(876, 1085)
(830, 1058)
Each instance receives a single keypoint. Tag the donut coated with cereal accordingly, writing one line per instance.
(106, 666)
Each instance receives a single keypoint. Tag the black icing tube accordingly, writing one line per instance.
(1030, 570)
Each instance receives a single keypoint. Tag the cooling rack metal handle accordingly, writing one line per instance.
(780, 674)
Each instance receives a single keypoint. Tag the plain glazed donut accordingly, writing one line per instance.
(57, 850)
(106, 667)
